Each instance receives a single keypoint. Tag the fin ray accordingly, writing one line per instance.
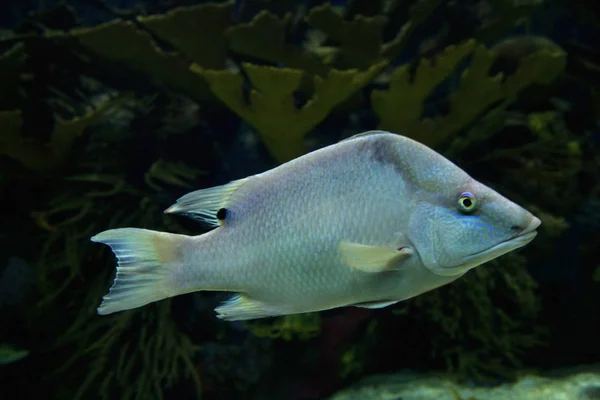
(241, 307)
(144, 272)
(375, 304)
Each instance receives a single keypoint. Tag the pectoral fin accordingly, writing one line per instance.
(375, 304)
(373, 258)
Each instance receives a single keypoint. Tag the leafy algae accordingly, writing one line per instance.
(95, 187)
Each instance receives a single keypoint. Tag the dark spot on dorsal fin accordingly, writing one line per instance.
(222, 214)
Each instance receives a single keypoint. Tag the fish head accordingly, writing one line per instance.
(458, 223)
(455, 223)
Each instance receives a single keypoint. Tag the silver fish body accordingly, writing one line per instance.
(370, 221)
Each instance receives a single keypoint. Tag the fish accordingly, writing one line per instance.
(368, 221)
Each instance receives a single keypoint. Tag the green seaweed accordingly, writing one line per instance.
(547, 164)
(512, 14)
(132, 341)
(367, 8)
(419, 12)
(352, 358)
(44, 157)
(478, 338)
(271, 108)
(360, 39)
(74, 273)
(476, 93)
(10, 63)
(138, 51)
(249, 39)
(456, 395)
(359, 42)
(137, 354)
(198, 32)
(10, 354)
(115, 347)
(289, 327)
(400, 107)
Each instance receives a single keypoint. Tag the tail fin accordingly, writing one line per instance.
(146, 260)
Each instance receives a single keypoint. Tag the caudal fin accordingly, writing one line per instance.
(145, 271)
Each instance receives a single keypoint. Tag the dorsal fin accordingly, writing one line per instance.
(363, 134)
(204, 204)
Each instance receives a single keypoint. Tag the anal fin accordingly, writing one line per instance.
(241, 307)
(375, 304)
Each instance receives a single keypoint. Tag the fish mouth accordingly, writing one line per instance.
(514, 242)
(523, 237)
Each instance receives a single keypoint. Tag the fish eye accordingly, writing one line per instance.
(467, 201)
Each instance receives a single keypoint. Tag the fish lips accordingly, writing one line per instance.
(510, 244)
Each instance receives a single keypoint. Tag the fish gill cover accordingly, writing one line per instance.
(104, 123)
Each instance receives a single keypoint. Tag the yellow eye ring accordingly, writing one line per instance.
(467, 201)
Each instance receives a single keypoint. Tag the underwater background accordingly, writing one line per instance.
(112, 109)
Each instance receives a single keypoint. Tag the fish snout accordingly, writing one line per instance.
(533, 223)
(527, 230)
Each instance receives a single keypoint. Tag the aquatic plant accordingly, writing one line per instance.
(361, 48)
(457, 395)
(271, 105)
(286, 77)
(93, 189)
(488, 319)
(10, 354)
(10, 63)
(400, 108)
(351, 363)
(300, 326)
(149, 339)
(46, 157)
(119, 348)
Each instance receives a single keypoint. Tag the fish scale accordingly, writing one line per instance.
(369, 221)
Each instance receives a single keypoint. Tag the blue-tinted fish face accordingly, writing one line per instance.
(456, 230)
